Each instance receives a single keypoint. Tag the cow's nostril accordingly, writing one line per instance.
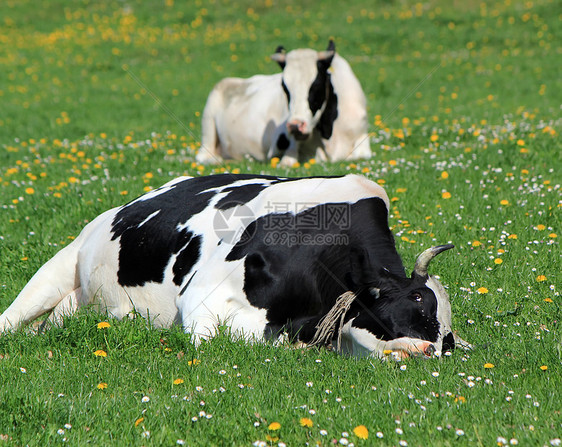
(429, 350)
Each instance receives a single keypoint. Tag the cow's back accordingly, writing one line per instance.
(242, 115)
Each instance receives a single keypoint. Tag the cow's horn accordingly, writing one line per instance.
(422, 263)
(328, 54)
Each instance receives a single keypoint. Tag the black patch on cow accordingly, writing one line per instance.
(239, 195)
(318, 88)
(326, 123)
(322, 91)
(186, 259)
(296, 270)
(283, 142)
(145, 250)
(448, 342)
(286, 90)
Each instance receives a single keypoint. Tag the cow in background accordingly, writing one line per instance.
(315, 108)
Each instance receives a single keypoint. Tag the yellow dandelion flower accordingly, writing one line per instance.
(392, 162)
(178, 381)
(552, 235)
(504, 202)
(544, 367)
(488, 365)
(482, 290)
(460, 399)
(274, 162)
(434, 137)
(446, 195)
(498, 261)
(274, 426)
(444, 175)
(541, 227)
(476, 243)
(103, 325)
(139, 421)
(548, 300)
(361, 432)
(29, 191)
(512, 236)
(102, 386)
(365, 170)
(520, 142)
(100, 353)
(541, 278)
(193, 362)
(306, 422)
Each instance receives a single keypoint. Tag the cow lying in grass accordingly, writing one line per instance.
(315, 108)
(308, 258)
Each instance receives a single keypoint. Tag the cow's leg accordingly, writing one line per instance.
(215, 297)
(67, 307)
(361, 148)
(290, 157)
(52, 283)
(210, 150)
(405, 347)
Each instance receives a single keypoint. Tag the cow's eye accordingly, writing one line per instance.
(417, 297)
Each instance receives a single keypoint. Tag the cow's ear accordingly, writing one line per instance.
(279, 56)
(325, 57)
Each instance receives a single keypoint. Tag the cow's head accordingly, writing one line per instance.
(408, 316)
(310, 95)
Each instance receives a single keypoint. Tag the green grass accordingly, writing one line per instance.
(101, 102)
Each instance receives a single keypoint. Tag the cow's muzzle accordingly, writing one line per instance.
(405, 348)
(298, 129)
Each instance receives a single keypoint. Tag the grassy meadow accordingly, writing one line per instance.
(101, 101)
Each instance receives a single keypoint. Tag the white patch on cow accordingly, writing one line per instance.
(154, 214)
(443, 309)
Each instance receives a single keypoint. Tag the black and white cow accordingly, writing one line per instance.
(315, 108)
(266, 256)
